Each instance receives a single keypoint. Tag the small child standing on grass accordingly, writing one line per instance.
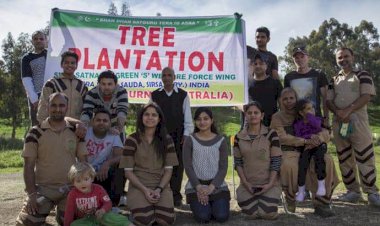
(88, 203)
(307, 126)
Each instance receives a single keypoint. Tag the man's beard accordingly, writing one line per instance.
(57, 118)
(344, 64)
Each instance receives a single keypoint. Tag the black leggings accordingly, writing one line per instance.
(320, 166)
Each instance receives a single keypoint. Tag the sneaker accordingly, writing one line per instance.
(374, 199)
(321, 188)
(323, 211)
(123, 201)
(300, 197)
(351, 196)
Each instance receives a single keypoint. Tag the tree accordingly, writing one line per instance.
(322, 43)
(125, 10)
(13, 98)
(112, 9)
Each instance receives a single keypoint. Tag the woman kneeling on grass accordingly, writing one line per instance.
(148, 160)
(257, 157)
(205, 158)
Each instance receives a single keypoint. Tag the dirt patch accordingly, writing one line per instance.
(12, 194)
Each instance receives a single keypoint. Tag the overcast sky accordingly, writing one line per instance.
(285, 19)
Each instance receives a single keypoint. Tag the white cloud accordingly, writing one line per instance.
(285, 18)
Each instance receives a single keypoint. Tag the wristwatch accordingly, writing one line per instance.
(158, 187)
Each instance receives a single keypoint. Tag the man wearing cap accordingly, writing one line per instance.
(348, 95)
(264, 88)
(308, 83)
(262, 38)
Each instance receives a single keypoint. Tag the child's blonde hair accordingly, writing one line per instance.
(79, 169)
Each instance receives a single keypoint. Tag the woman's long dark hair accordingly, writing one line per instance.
(160, 140)
(209, 113)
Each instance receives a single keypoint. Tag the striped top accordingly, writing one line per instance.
(54, 152)
(344, 89)
(117, 106)
(257, 157)
(142, 158)
(75, 89)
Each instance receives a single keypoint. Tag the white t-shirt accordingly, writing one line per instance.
(100, 149)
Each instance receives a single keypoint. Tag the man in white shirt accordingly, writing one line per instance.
(104, 153)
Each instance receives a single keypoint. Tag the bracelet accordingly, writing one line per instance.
(158, 187)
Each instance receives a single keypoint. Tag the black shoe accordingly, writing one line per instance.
(324, 211)
(177, 203)
(307, 195)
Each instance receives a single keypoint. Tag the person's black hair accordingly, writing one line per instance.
(107, 74)
(209, 113)
(264, 30)
(253, 103)
(101, 110)
(258, 56)
(300, 105)
(160, 140)
(69, 54)
(39, 32)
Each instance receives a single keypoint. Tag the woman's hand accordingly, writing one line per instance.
(157, 193)
(210, 189)
(202, 198)
(149, 195)
(264, 188)
(202, 189)
(313, 142)
(248, 186)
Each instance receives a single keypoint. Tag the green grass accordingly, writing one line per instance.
(11, 170)
(374, 119)
(10, 161)
(227, 121)
(6, 129)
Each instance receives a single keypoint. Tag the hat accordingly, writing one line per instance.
(301, 49)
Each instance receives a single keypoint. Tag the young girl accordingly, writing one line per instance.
(307, 126)
(205, 159)
(88, 203)
(148, 159)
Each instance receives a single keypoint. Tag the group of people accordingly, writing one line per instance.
(78, 157)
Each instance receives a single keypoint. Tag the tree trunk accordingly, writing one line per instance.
(14, 126)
